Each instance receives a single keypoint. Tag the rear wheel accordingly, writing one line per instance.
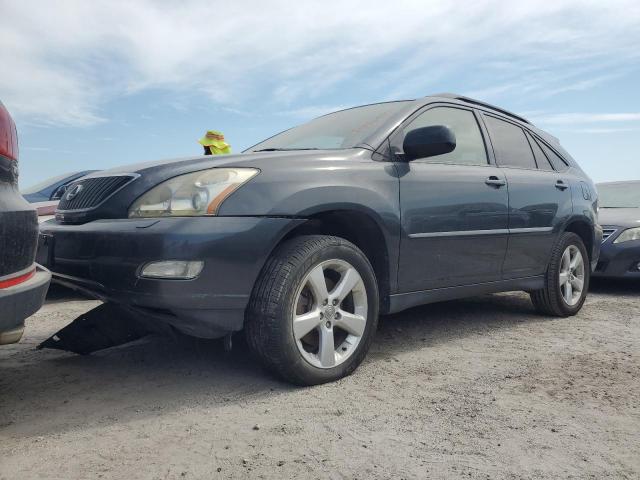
(566, 280)
(314, 310)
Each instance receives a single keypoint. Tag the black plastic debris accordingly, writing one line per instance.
(107, 325)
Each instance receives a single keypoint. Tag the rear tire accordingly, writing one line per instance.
(568, 271)
(314, 310)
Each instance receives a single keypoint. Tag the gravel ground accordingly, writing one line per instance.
(479, 388)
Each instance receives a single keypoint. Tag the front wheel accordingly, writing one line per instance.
(314, 310)
(566, 280)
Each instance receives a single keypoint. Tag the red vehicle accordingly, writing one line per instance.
(23, 283)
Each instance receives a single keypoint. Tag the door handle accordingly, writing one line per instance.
(561, 185)
(495, 181)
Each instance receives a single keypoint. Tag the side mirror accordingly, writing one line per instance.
(428, 142)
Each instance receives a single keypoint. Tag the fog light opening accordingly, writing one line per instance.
(173, 269)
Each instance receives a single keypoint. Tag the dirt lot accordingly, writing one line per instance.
(480, 388)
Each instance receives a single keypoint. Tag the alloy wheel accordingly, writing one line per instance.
(330, 315)
(572, 275)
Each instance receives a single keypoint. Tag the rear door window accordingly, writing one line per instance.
(510, 145)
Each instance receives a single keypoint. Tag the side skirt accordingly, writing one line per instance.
(402, 301)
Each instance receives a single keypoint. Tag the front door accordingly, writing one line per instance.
(454, 208)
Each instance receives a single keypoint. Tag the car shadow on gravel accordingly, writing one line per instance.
(59, 294)
(615, 286)
(437, 323)
(49, 391)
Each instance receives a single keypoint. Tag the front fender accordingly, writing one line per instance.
(305, 189)
(301, 190)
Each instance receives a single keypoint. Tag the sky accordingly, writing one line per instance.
(101, 84)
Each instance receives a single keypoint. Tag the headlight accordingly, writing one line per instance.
(628, 235)
(198, 193)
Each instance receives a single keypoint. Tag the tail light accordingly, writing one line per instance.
(17, 280)
(8, 147)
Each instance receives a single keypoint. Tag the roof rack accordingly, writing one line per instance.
(482, 104)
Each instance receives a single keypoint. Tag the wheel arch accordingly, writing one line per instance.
(363, 230)
(584, 229)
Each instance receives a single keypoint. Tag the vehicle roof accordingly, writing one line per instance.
(480, 103)
(374, 140)
(447, 96)
(415, 104)
(487, 107)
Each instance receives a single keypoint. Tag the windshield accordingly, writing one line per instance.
(619, 195)
(344, 129)
(44, 184)
(49, 182)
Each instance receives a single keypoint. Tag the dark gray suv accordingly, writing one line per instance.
(304, 239)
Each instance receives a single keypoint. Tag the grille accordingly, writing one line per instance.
(18, 239)
(93, 192)
(607, 232)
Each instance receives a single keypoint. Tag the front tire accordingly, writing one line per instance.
(566, 280)
(314, 310)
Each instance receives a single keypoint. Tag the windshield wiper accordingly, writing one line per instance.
(283, 149)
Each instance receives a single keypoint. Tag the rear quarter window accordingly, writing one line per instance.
(556, 160)
(541, 159)
(510, 144)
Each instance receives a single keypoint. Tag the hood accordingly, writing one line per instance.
(145, 176)
(164, 169)
(619, 217)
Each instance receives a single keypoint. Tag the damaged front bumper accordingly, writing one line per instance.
(104, 259)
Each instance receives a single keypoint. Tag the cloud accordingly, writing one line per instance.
(64, 61)
(550, 83)
(311, 112)
(580, 118)
(589, 123)
(603, 131)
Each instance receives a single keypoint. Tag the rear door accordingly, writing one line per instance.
(539, 198)
(454, 207)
